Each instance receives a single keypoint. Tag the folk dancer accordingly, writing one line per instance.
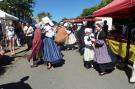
(52, 54)
(103, 57)
(71, 40)
(36, 47)
(89, 41)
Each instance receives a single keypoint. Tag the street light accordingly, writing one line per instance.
(1, 0)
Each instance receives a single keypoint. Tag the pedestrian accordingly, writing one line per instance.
(102, 56)
(89, 41)
(80, 36)
(52, 54)
(71, 39)
(1, 32)
(10, 33)
(2, 52)
(61, 35)
(17, 32)
(36, 47)
(105, 27)
(29, 32)
(132, 79)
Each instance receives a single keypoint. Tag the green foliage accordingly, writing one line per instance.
(19, 8)
(104, 3)
(43, 14)
(64, 19)
(89, 11)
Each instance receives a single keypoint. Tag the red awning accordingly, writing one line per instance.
(81, 20)
(117, 8)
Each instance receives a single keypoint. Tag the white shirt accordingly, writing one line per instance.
(29, 31)
(68, 31)
(98, 35)
(88, 39)
(10, 31)
(49, 31)
(25, 28)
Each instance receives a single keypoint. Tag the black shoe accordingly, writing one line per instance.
(87, 65)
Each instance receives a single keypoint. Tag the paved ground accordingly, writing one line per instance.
(72, 75)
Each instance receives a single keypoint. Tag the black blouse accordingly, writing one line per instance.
(101, 36)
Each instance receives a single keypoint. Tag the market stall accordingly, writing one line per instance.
(117, 9)
(120, 9)
(81, 20)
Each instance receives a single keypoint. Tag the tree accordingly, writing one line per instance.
(43, 14)
(64, 18)
(104, 3)
(19, 8)
(89, 11)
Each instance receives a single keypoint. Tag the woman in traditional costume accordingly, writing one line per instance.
(61, 35)
(102, 54)
(89, 41)
(52, 54)
(71, 40)
(36, 47)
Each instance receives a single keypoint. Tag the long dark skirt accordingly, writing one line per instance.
(104, 57)
(29, 41)
(52, 53)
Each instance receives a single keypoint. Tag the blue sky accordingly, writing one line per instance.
(63, 8)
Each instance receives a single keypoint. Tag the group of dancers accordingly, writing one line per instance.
(95, 49)
(96, 54)
(43, 45)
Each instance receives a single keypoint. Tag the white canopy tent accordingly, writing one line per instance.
(4, 15)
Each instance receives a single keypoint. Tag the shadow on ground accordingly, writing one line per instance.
(7, 50)
(124, 67)
(4, 62)
(65, 48)
(108, 70)
(59, 64)
(41, 62)
(2, 70)
(25, 50)
(17, 85)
